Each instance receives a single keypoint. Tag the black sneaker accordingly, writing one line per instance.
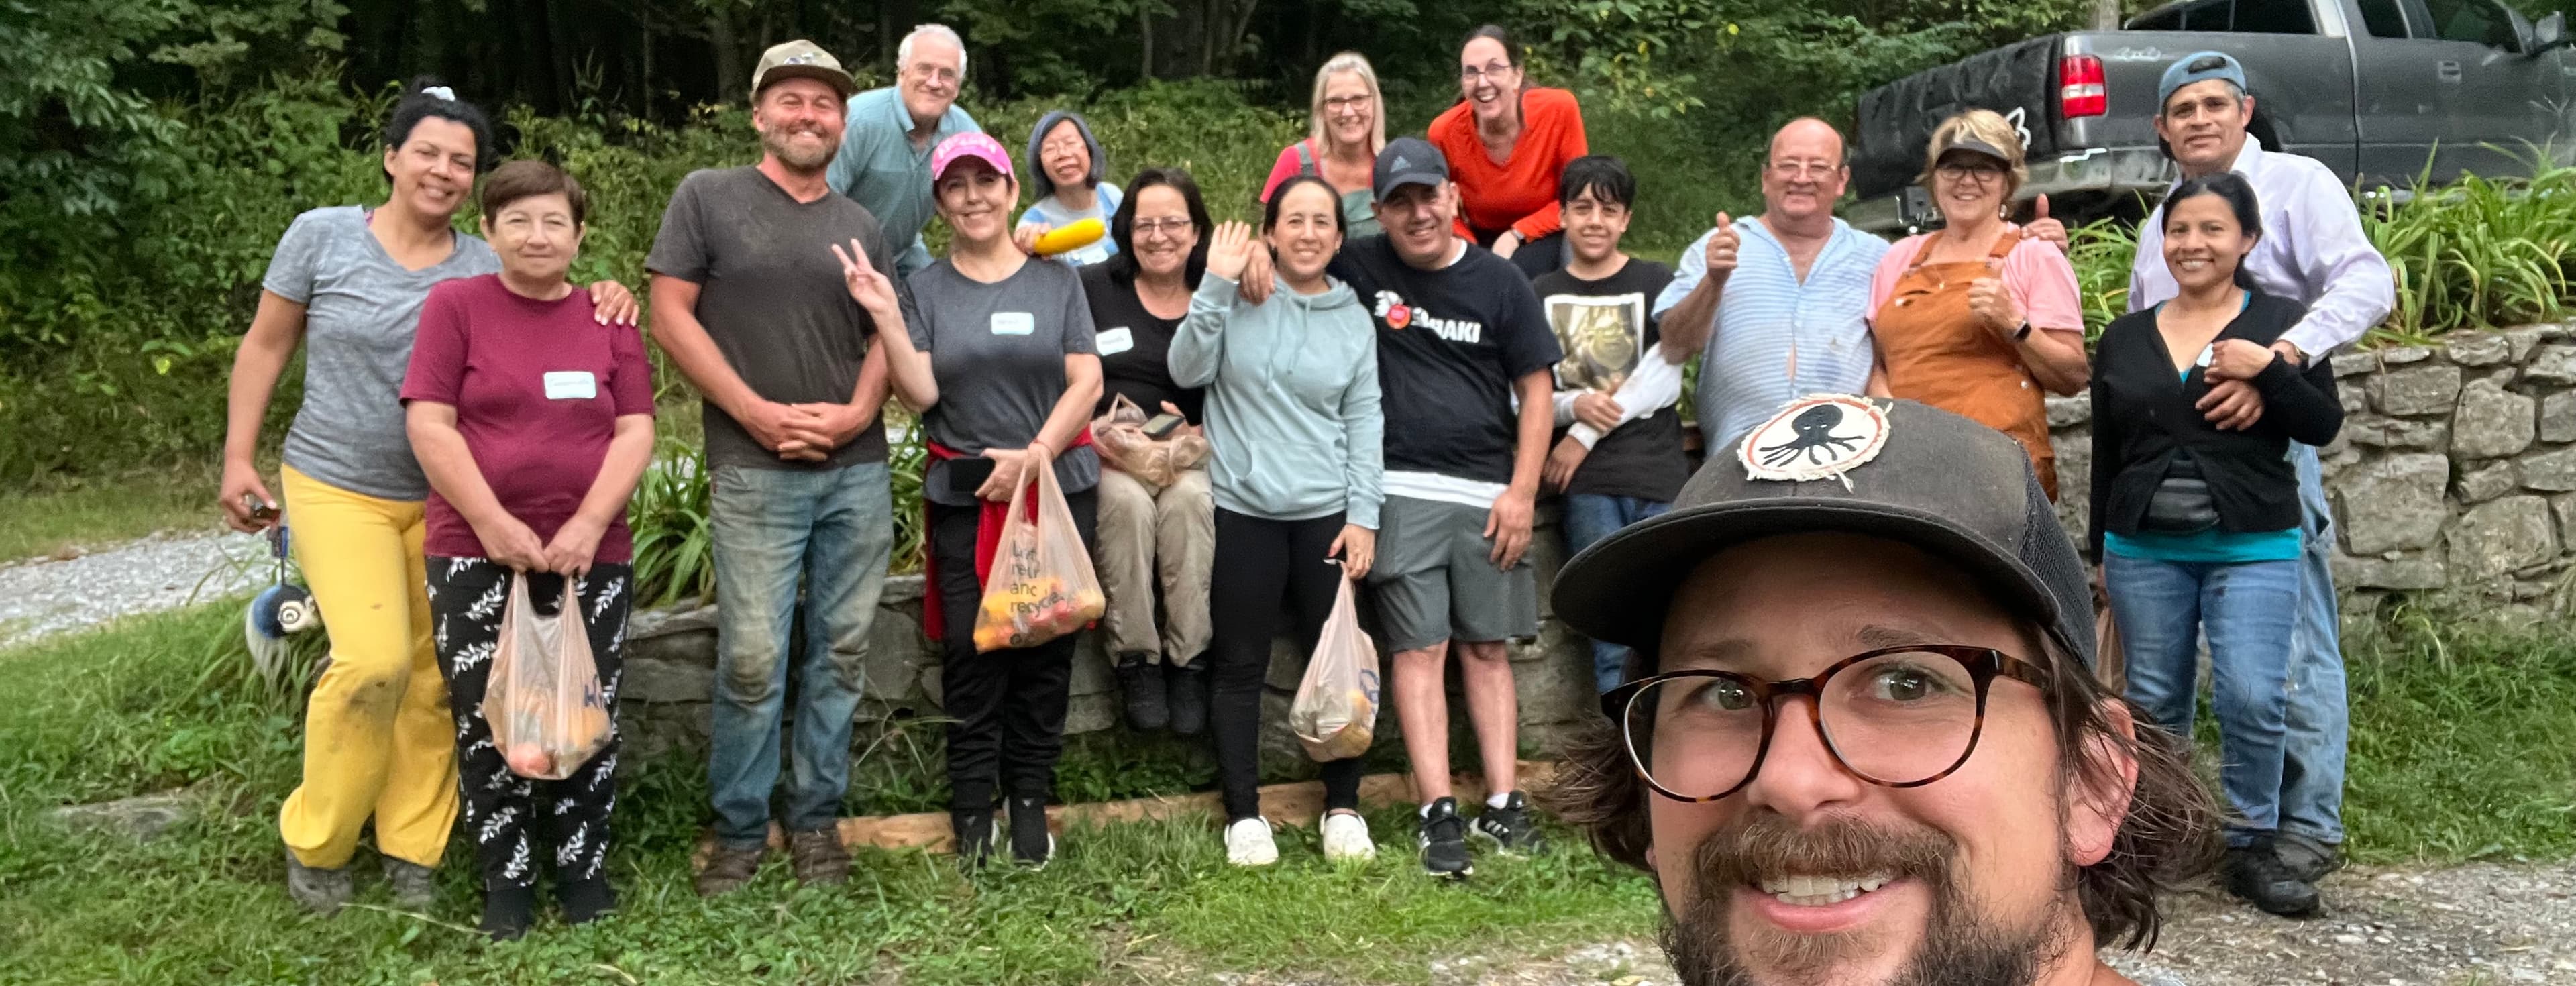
(975, 831)
(508, 911)
(1031, 844)
(585, 901)
(2255, 875)
(1510, 826)
(2305, 858)
(1443, 839)
(1189, 698)
(1142, 682)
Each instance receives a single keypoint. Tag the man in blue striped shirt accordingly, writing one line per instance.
(1778, 302)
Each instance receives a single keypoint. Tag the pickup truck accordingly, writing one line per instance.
(2382, 91)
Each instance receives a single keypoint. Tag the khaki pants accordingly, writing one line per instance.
(1151, 540)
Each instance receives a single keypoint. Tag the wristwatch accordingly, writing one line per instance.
(2023, 333)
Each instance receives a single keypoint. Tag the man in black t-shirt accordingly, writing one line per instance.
(1460, 337)
(1620, 461)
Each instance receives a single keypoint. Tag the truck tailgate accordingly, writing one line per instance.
(1896, 120)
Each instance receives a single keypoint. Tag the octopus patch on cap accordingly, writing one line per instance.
(1820, 437)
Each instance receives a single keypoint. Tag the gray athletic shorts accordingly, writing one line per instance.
(1435, 580)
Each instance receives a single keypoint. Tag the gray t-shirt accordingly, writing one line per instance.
(998, 353)
(770, 294)
(361, 310)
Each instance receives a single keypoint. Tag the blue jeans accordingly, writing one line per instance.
(834, 529)
(2312, 775)
(2250, 612)
(1589, 517)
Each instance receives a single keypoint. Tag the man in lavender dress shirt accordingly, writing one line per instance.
(2313, 250)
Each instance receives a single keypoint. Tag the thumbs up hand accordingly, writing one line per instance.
(1993, 305)
(2041, 227)
(1722, 246)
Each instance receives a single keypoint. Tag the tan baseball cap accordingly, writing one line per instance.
(801, 59)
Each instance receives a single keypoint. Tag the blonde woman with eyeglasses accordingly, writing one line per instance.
(1347, 127)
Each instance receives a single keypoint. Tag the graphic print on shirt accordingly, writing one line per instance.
(1602, 337)
(1399, 316)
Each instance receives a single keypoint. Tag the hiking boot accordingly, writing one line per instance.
(1248, 843)
(319, 890)
(1031, 844)
(1443, 840)
(818, 857)
(414, 887)
(2255, 875)
(976, 832)
(2304, 858)
(1142, 682)
(1511, 827)
(508, 911)
(1346, 838)
(585, 901)
(1189, 698)
(729, 869)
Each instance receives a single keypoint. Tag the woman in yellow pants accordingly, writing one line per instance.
(347, 283)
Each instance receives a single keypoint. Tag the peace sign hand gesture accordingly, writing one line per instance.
(867, 286)
(1229, 250)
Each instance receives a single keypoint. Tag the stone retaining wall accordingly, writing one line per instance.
(670, 677)
(2455, 471)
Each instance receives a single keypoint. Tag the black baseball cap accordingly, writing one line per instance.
(1893, 469)
(1408, 161)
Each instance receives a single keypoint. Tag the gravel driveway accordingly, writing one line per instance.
(2476, 925)
(45, 596)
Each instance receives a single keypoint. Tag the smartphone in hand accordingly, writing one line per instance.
(1160, 426)
(967, 475)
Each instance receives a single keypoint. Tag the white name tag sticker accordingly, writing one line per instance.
(1115, 341)
(1014, 323)
(571, 385)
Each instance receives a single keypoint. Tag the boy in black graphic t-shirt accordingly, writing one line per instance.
(1460, 335)
(1620, 461)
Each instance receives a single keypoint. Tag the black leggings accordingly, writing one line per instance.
(466, 598)
(1267, 569)
(1006, 708)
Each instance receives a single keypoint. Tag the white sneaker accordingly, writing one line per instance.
(1346, 837)
(1248, 843)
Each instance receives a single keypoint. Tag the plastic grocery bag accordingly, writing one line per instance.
(1335, 713)
(1042, 586)
(1119, 436)
(548, 713)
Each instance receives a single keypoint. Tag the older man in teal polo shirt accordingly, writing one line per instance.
(885, 151)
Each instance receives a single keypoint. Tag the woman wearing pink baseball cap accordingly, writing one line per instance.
(1004, 370)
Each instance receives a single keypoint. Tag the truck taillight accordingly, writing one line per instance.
(2079, 87)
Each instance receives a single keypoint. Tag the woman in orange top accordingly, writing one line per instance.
(1506, 146)
(1974, 319)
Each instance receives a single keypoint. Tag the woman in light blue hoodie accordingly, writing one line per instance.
(1293, 422)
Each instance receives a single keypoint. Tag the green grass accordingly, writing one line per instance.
(2459, 752)
(159, 702)
(62, 514)
(2463, 742)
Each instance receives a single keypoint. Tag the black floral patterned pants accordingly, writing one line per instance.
(466, 597)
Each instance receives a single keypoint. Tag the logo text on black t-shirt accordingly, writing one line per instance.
(1397, 315)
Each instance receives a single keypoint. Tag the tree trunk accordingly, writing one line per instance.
(720, 34)
(2106, 15)
(1145, 36)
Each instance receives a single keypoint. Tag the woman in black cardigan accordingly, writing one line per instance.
(2197, 529)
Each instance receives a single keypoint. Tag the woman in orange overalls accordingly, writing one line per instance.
(1973, 318)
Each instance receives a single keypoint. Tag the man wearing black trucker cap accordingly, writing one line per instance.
(1863, 743)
